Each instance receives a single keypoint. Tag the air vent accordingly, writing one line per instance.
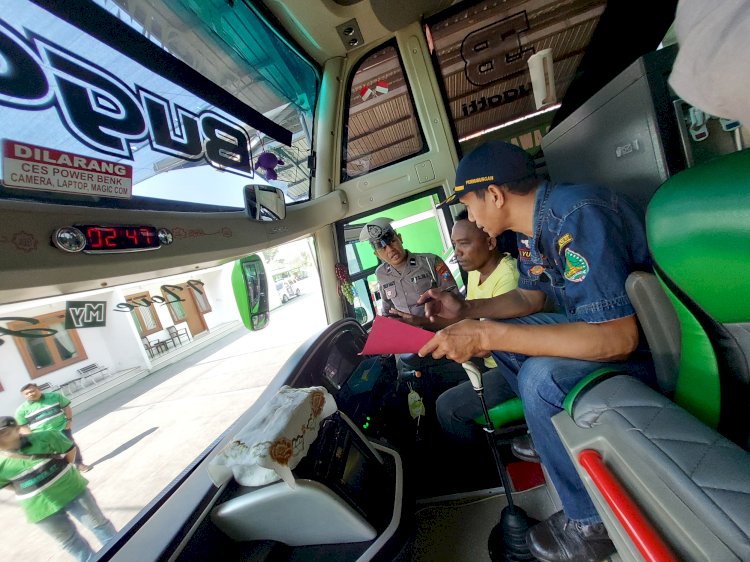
(350, 34)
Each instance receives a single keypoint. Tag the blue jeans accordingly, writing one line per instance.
(60, 527)
(542, 383)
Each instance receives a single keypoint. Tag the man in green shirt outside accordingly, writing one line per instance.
(45, 411)
(49, 488)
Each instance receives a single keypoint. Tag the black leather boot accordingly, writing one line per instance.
(523, 448)
(560, 539)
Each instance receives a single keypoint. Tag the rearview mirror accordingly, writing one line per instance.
(264, 203)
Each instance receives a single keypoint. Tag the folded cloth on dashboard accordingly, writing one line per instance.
(276, 439)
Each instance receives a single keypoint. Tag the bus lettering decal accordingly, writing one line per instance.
(484, 103)
(108, 115)
(25, 332)
(196, 285)
(23, 83)
(225, 145)
(172, 129)
(95, 106)
(495, 51)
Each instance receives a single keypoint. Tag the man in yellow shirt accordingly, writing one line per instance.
(491, 273)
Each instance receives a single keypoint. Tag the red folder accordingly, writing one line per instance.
(391, 336)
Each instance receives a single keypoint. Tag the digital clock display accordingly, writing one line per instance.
(98, 239)
(119, 238)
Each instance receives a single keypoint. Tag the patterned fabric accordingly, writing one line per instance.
(276, 439)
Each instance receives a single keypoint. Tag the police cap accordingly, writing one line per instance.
(378, 232)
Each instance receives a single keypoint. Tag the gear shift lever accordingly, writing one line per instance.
(507, 539)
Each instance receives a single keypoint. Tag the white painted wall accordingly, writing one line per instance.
(117, 345)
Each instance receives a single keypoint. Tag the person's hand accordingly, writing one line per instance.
(69, 424)
(418, 321)
(459, 342)
(442, 304)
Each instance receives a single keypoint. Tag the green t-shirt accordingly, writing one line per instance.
(44, 414)
(43, 486)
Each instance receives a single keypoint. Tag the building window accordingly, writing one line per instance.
(145, 317)
(201, 299)
(43, 355)
(176, 308)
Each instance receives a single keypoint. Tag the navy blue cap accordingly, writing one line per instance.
(495, 162)
(7, 421)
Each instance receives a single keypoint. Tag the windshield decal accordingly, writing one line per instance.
(85, 314)
(27, 166)
(119, 93)
(24, 332)
(101, 111)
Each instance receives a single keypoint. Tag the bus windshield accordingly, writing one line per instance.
(105, 106)
(209, 207)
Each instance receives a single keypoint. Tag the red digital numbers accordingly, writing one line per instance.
(101, 237)
(120, 238)
(110, 237)
(147, 233)
(94, 237)
(132, 235)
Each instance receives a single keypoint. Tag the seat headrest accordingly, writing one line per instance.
(698, 226)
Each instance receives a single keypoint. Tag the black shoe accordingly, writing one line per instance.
(559, 539)
(523, 448)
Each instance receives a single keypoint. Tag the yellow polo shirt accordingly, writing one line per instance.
(502, 280)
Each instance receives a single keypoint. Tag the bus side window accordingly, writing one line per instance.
(382, 126)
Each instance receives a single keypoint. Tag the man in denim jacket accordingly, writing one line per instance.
(577, 245)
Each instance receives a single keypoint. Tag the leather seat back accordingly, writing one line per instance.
(698, 226)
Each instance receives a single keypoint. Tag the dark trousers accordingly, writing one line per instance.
(69, 434)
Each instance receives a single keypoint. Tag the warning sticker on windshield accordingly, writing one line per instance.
(27, 166)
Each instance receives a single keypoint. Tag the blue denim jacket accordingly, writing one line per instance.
(587, 240)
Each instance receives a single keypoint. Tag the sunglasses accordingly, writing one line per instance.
(387, 238)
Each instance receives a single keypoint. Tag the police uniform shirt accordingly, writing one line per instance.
(586, 242)
(420, 272)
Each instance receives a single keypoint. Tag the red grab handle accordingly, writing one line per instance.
(644, 536)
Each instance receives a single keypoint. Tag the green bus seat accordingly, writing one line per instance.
(671, 451)
(698, 227)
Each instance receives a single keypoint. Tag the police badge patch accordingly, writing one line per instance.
(576, 266)
(442, 270)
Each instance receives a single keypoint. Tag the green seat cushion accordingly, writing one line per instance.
(504, 413)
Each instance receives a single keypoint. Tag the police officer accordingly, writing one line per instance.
(403, 276)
